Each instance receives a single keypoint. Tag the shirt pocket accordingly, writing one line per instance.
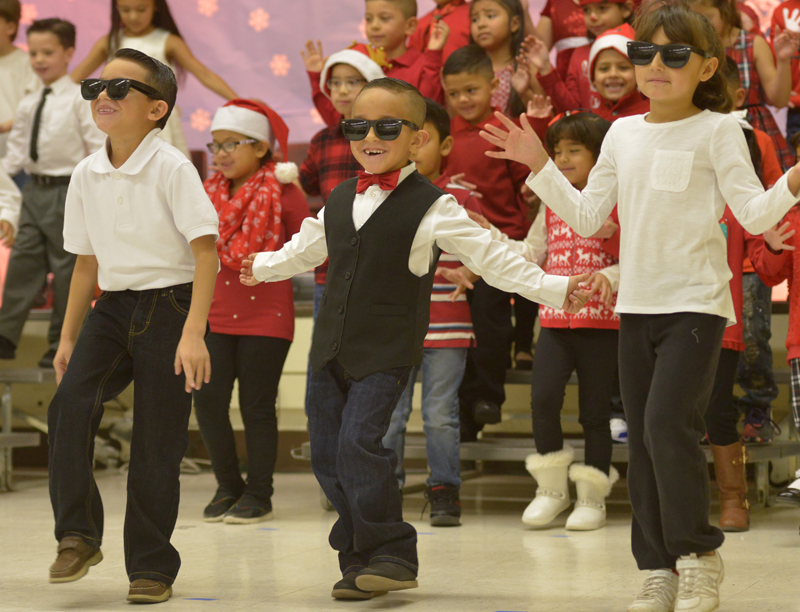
(671, 170)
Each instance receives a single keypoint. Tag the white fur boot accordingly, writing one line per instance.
(593, 487)
(552, 494)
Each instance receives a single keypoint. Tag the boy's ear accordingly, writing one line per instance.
(411, 26)
(739, 97)
(261, 149)
(446, 146)
(709, 69)
(420, 138)
(157, 110)
(70, 52)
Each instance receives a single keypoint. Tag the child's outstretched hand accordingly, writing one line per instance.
(246, 276)
(479, 219)
(521, 79)
(517, 144)
(602, 286)
(312, 56)
(458, 179)
(538, 54)
(786, 43)
(577, 296)
(193, 359)
(540, 107)
(776, 237)
(462, 276)
(439, 33)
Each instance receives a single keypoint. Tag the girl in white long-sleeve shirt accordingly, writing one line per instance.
(671, 173)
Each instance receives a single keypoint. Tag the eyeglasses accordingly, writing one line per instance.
(561, 116)
(349, 84)
(117, 89)
(385, 129)
(228, 147)
(673, 55)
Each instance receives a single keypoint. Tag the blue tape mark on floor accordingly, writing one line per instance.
(268, 529)
(199, 599)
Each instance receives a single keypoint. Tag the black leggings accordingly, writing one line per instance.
(559, 352)
(722, 416)
(257, 362)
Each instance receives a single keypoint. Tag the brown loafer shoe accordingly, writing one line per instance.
(149, 591)
(75, 557)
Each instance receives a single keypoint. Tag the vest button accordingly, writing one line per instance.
(341, 309)
(347, 275)
(354, 241)
(335, 346)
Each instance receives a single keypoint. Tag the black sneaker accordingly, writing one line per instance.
(248, 510)
(346, 589)
(46, 362)
(445, 505)
(487, 413)
(8, 349)
(215, 511)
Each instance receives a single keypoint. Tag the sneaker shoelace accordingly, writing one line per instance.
(758, 417)
(697, 582)
(659, 589)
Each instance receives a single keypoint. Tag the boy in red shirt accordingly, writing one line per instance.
(469, 82)
(455, 13)
(388, 24)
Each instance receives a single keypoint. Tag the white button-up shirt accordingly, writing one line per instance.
(138, 219)
(10, 200)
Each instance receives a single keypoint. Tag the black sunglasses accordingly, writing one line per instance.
(385, 129)
(117, 89)
(673, 55)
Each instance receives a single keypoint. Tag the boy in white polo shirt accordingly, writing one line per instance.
(142, 227)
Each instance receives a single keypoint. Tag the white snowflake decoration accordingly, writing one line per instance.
(259, 19)
(207, 7)
(29, 14)
(316, 118)
(200, 120)
(280, 65)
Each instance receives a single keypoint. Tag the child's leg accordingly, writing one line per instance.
(721, 416)
(553, 364)
(395, 437)
(596, 352)
(100, 368)
(160, 434)
(259, 363)
(59, 261)
(525, 313)
(442, 371)
(212, 404)
(667, 365)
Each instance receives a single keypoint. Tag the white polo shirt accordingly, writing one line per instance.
(139, 219)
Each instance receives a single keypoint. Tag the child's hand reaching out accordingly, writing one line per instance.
(540, 107)
(601, 285)
(462, 276)
(439, 33)
(312, 56)
(776, 237)
(538, 54)
(517, 144)
(577, 296)
(246, 276)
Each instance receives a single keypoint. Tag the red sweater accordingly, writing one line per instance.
(568, 23)
(498, 180)
(457, 18)
(567, 255)
(268, 308)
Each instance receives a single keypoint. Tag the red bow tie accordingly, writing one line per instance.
(386, 181)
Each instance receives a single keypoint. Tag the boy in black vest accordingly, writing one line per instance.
(383, 233)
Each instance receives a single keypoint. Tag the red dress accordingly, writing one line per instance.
(757, 112)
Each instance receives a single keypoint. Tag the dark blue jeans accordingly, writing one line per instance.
(755, 375)
(129, 336)
(347, 420)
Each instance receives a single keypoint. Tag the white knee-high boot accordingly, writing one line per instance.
(552, 494)
(593, 487)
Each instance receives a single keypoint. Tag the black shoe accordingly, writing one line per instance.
(346, 589)
(8, 349)
(248, 510)
(215, 511)
(487, 413)
(47, 359)
(385, 576)
(445, 505)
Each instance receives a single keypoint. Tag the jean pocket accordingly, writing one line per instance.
(103, 296)
(178, 299)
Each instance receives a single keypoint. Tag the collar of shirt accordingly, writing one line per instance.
(134, 164)
(408, 169)
(405, 60)
(459, 124)
(364, 204)
(62, 84)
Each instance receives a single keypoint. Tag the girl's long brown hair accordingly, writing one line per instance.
(681, 24)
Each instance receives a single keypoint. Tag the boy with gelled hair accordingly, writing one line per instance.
(383, 232)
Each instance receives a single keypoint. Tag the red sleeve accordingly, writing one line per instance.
(547, 11)
(770, 166)
(325, 107)
(611, 245)
(418, 40)
(294, 209)
(563, 99)
(430, 80)
(772, 268)
(309, 170)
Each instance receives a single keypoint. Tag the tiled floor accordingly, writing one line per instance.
(489, 564)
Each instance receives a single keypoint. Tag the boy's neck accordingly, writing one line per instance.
(49, 82)
(6, 48)
(120, 148)
(668, 112)
(396, 52)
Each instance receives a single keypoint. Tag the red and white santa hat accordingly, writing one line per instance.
(359, 58)
(615, 38)
(257, 120)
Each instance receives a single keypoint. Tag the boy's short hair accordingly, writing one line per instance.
(731, 71)
(159, 76)
(584, 127)
(437, 116)
(794, 141)
(407, 7)
(11, 11)
(416, 103)
(63, 30)
(471, 59)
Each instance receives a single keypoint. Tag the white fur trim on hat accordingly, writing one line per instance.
(286, 172)
(368, 68)
(580, 471)
(555, 459)
(245, 122)
(618, 42)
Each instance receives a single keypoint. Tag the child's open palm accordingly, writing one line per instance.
(246, 276)
(785, 44)
(439, 34)
(520, 144)
(537, 52)
(312, 56)
(540, 107)
(776, 237)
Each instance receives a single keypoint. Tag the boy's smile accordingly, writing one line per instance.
(613, 75)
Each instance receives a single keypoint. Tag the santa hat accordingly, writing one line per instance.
(257, 120)
(615, 38)
(359, 57)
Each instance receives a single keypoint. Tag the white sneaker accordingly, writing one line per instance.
(658, 593)
(698, 585)
(619, 430)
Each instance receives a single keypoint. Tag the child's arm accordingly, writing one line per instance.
(16, 153)
(584, 211)
(90, 63)
(315, 62)
(534, 247)
(563, 96)
(10, 206)
(309, 170)
(775, 72)
(81, 291)
(430, 80)
(773, 265)
(192, 355)
(178, 51)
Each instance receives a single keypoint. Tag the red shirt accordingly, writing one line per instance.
(498, 180)
(770, 171)
(268, 308)
(568, 25)
(322, 103)
(456, 16)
